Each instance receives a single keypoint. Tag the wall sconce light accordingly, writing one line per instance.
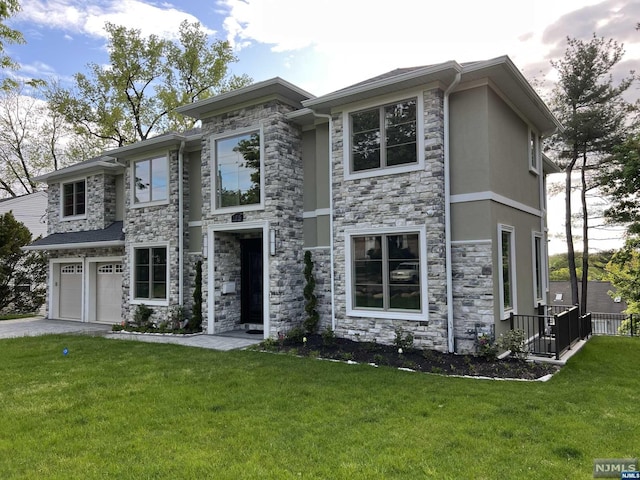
(272, 242)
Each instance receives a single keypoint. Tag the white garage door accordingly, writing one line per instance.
(109, 292)
(70, 306)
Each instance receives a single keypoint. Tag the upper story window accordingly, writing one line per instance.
(238, 166)
(534, 152)
(74, 198)
(151, 180)
(384, 136)
(384, 139)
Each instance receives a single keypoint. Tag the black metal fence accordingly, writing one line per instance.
(551, 334)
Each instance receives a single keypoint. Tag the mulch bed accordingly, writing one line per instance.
(415, 359)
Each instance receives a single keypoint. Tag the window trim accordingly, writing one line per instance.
(540, 276)
(82, 216)
(132, 266)
(418, 95)
(504, 312)
(351, 309)
(151, 203)
(535, 154)
(214, 167)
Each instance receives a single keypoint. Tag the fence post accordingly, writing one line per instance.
(511, 320)
(557, 336)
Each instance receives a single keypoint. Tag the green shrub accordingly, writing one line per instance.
(486, 347)
(514, 340)
(142, 316)
(403, 339)
(295, 335)
(328, 337)
(311, 301)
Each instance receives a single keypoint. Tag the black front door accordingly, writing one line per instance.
(251, 283)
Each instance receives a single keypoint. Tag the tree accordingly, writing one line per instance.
(195, 325)
(8, 35)
(22, 275)
(593, 113)
(135, 96)
(34, 140)
(623, 271)
(621, 181)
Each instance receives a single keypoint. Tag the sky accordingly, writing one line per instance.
(327, 45)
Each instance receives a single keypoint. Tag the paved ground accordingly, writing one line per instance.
(31, 327)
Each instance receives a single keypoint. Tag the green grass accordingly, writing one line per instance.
(13, 316)
(131, 410)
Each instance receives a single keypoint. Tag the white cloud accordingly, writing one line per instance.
(89, 17)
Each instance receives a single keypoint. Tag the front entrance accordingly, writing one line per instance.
(251, 296)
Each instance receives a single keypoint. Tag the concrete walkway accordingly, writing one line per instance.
(31, 327)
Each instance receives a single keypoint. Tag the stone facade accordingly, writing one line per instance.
(100, 206)
(400, 200)
(473, 300)
(283, 207)
(152, 225)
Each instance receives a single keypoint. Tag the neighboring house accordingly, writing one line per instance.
(598, 298)
(420, 193)
(31, 210)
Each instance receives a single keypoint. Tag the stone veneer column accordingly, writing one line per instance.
(400, 200)
(473, 299)
(283, 209)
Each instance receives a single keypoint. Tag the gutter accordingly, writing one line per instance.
(447, 215)
(181, 224)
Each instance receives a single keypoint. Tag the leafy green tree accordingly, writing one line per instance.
(22, 274)
(134, 97)
(623, 271)
(8, 8)
(621, 181)
(593, 113)
(195, 325)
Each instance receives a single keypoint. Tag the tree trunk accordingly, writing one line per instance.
(571, 254)
(585, 237)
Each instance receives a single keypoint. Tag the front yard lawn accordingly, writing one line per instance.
(132, 410)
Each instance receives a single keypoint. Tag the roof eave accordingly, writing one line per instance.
(71, 246)
(444, 72)
(272, 87)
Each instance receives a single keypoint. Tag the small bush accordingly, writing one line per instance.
(486, 347)
(142, 316)
(514, 340)
(328, 337)
(295, 335)
(403, 339)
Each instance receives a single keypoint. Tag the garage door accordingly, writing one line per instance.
(109, 292)
(70, 306)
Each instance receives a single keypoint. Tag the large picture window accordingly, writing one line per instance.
(238, 165)
(384, 137)
(151, 180)
(386, 272)
(74, 198)
(150, 273)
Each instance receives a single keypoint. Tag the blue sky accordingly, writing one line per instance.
(326, 45)
(329, 44)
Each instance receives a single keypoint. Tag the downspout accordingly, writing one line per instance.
(328, 117)
(447, 216)
(180, 225)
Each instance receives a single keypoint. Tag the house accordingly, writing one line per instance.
(28, 209)
(420, 193)
(598, 299)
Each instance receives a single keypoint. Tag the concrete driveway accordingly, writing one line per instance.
(31, 327)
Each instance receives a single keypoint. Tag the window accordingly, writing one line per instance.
(384, 137)
(386, 273)
(238, 169)
(507, 269)
(538, 268)
(151, 180)
(73, 198)
(534, 151)
(150, 273)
